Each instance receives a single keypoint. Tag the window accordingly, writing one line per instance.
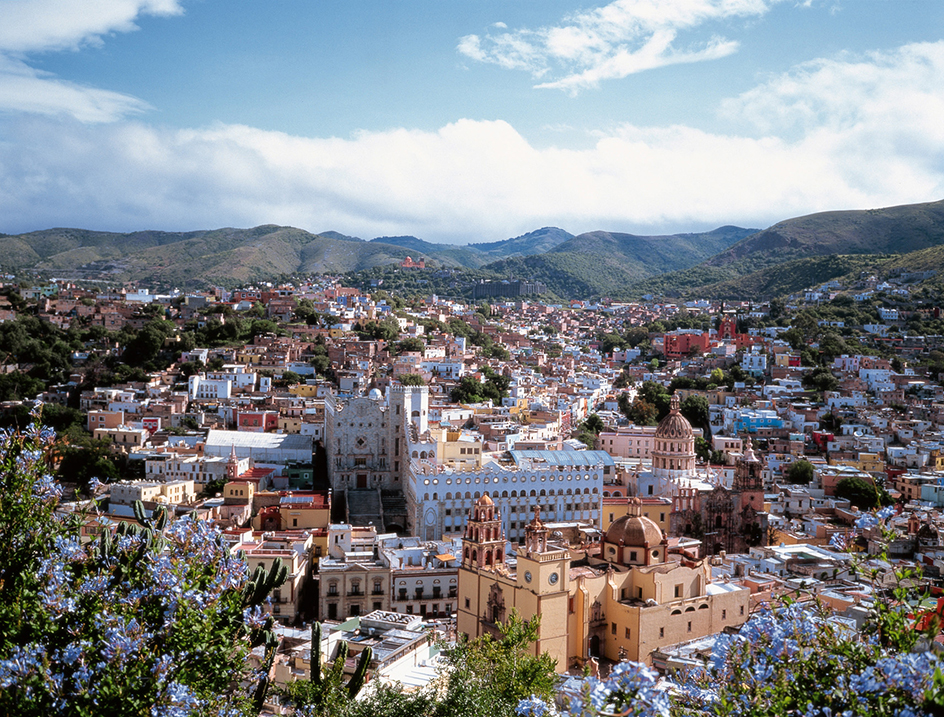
(689, 625)
(467, 603)
(742, 610)
(678, 590)
(724, 614)
(612, 628)
(627, 633)
(661, 517)
(661, 632)
(632, 556)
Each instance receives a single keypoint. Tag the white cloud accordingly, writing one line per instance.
(53, 25)
(23, 89)
(31, 25)
(612, 41)
(841, 133)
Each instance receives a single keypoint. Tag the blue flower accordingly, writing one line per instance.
(887, 512)
(532, 707)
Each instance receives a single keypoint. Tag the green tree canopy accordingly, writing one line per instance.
(860, 493)
(800, 472)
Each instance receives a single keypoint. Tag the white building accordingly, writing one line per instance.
(567, 485)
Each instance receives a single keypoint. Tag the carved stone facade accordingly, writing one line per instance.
(634, 601)
(725, 519)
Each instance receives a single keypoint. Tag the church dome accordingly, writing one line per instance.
(485, 500)
(675, 426)
(375, 395)
(635, 531)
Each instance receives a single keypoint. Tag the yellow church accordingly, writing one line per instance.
(621, 599)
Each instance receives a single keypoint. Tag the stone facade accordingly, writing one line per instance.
(621, 607)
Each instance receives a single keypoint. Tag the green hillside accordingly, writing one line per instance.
(728, 262)
(895, 230)
(446, 254)
(536, 242)
(192, 259)
(608, 264)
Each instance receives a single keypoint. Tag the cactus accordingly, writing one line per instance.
(160, 517)
(360, 673)
(262, 688)
(315, 657)
(139, 513)
(335, 673)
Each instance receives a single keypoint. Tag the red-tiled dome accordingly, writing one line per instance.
(634, 530)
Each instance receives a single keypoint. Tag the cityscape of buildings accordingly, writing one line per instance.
(400, 506)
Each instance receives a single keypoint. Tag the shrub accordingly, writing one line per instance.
(157, 619)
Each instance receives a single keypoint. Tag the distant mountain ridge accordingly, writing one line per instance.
(800, 252)
(727, 262)
(536, 242)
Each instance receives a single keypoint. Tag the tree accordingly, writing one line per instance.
(832, 345)
(411, 379)
(656, 395)
(387, 330)
(288, 378)
(191, 368)
(590, 429)
(799, 472)
(145, 347)
(485, 677)
(695, 409)
(860, 493)
(820, 379)
(642, 413)
(610, 343)
(158, 619)
(412, 343)
(490, 677)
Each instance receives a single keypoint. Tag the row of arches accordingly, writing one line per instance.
(469, 495)
(691, 608)
(510, 479)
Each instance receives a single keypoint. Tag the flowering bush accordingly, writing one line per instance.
(157, 619)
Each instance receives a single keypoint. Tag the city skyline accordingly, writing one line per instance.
(464, 122)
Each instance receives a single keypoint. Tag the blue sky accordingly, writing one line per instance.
(466, 120)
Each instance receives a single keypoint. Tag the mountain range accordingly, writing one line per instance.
(728, 262)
